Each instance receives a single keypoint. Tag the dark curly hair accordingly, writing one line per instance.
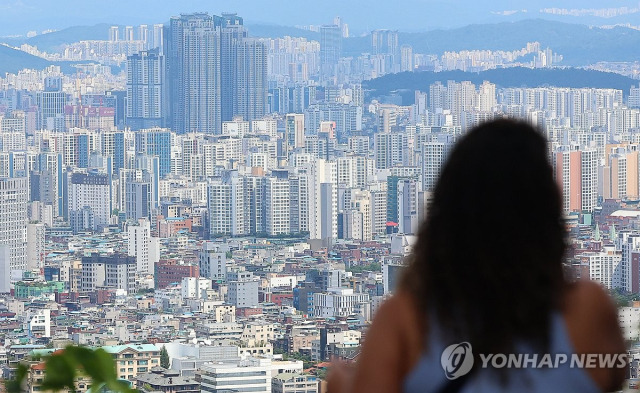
(488, 259)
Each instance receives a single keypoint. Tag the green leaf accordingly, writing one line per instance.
(106, 365)
(60, 373)
(15, 385)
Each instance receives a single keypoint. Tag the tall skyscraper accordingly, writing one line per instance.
(13, 222)
(128, 33)
(157, 38)
(143, 34)
(330, 49)
(385, 42)
(215, 72)
(51, 103)
(576, 172)
(250, 87)
(232, 34)
(193, 55)
(146, 90)
(406, 58)
(114, 33)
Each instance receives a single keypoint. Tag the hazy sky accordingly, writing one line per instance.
(20, 16)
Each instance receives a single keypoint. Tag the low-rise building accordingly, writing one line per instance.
(294, 383)
(166, 381)
(134, 359)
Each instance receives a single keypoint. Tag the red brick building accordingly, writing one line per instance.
(169, 271)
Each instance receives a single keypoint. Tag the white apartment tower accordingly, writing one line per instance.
(323, 200)
(143, 246)
(576, 172)
(213, 261)
(605, 267)
(226, 205)
(14, 195)
(89, 201)
(434, 155)
(35, 241)
(277, 206)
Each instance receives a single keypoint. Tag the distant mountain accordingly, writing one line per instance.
(12, 60)
(579, 44)
(273, 31)
(407, 82)
(53, 42)
(361, 15)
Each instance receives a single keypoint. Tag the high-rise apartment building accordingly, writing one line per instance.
(330, 49)
(407, 62)
(385, 42)
(232, 34)
(576, 172)
(14, 194)
(155, 142)
(36, 245)
(215, 72)
(213, 261)
(193, 56)
(277, 206)
(147, 104)
(114, 32)
(294, 131)
(89, 205)
(139, 188)
(51, 103)
(434, 155)
(226, 205)
(142, 246)
(390, 149)
(619, 174)
(249, 94)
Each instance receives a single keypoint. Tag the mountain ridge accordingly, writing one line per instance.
(579, 44)
(405, 83)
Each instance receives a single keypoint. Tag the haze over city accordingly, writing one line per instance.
(223, 196)
(18, 17)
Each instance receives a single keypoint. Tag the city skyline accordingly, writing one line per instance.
(218, 210)
(412, 15)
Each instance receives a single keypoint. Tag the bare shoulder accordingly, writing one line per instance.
(392, 346)
(400, 305)
(400, 314)
(592, 323)
(588, 301)
(586, 291)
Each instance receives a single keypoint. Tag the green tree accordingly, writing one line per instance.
(62, 370)
(164, 358)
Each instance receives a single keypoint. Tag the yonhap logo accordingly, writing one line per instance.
(457, 360)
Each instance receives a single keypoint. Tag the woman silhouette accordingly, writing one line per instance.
(487, 270)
